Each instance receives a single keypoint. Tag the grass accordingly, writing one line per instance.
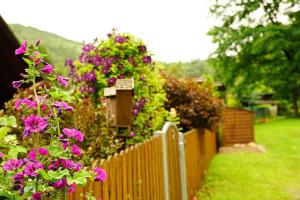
(248, 176)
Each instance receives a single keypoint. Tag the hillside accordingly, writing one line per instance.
(58, 48)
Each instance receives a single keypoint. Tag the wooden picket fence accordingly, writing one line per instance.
(200, 147)
(138, 172)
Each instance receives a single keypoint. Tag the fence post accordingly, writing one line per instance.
(181, 142)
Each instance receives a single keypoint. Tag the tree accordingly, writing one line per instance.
(259, 43)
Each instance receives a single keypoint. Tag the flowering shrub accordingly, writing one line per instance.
(100, 141)
(122, 56)
(194, 104)
(51, 167)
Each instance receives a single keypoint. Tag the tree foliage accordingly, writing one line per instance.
(259, 44)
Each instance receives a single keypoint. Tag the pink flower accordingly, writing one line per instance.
(76, 150)
(79, 136)
(16, 84)
(100, 174)
(32, 155)
(35, 123)
(63, 81)
(43, 151)
(1, 155)
(21, 49)
(12, 164)
(47, 69)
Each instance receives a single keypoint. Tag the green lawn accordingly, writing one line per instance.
(248, 176)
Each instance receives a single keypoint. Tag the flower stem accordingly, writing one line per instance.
(37, 135)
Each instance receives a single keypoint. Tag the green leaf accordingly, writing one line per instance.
(15, 150)
(57, 151)
(44, 175)
(29, 62)
(4, 194)
(79, 178)
(3, 132)
(56, 175)
(8, 121)
(20, 149)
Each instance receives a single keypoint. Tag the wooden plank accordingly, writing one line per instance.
(112, 180)
(134, 173)
(130, 174)
(147, 170)
(124, 174)
(105, 186)
(119, 175)
(156, 167)
(143, 170)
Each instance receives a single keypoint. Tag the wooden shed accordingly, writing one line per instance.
(237, 126)
(10, 65)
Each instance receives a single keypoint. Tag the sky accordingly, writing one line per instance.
(173, 30)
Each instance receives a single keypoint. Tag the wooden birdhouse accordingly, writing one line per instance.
(119, 103)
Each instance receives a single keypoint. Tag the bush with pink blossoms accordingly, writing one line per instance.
(51, 168)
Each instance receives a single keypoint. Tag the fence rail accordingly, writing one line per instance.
(154, 170)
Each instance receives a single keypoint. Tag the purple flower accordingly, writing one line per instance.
(37, 196)
(18, 176)
(146, 59)
(79, 136)
(142, 78)
(47, 69)
(62, 105)
(12, 164)
(132, 134)
(73, 133)
(121, 76)
(69, 62)
(111, 81)
(30, 169)
(71, 188)
(76, 150)
(35, 123)
(64, 144)
(142, 49)
(63, 81)
(119, 39)
(77, 167)
(16, 84)
(21, 49)
(59, 184)
(38, 61)
(37, 42)
(1, 155)
(100, 174)
(26, 132)
(43, 151)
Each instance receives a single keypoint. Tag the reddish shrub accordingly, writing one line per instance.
(194, 103)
